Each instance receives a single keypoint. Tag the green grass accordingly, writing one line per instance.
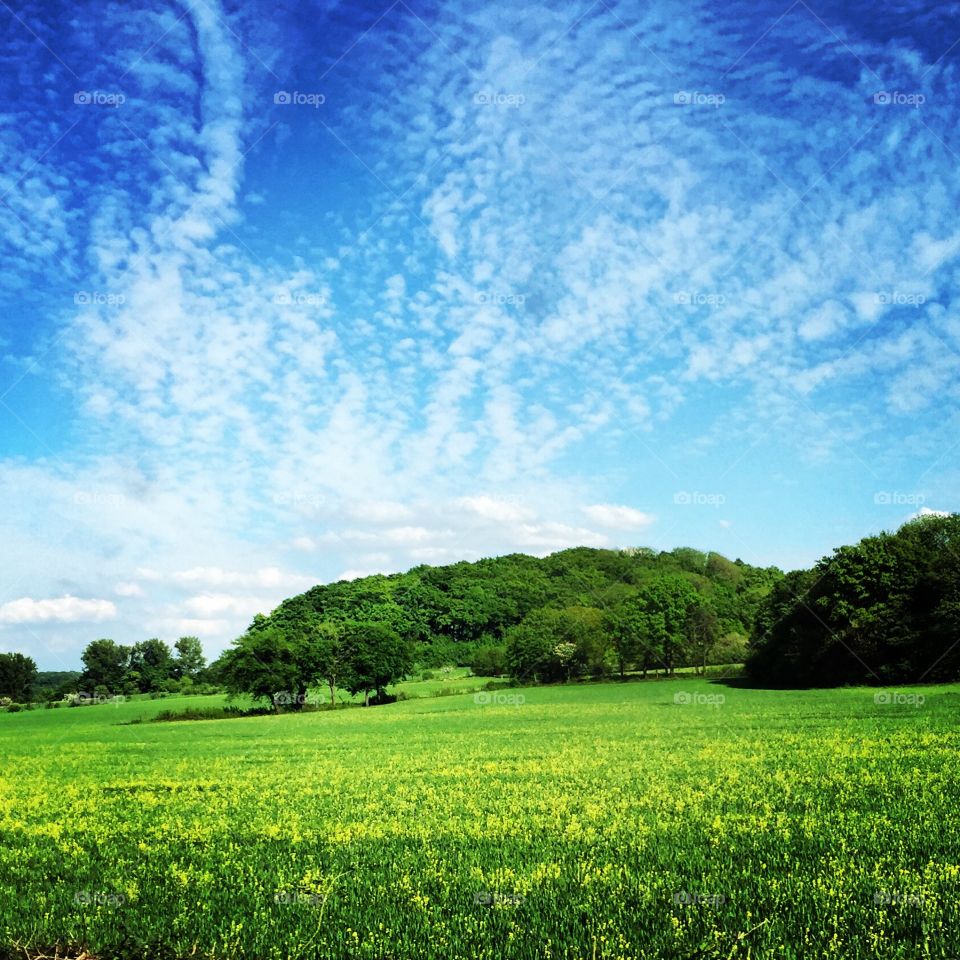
(602, 820)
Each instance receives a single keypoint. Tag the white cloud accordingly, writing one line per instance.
(619, 517)
(493, 508)
(210, 605)
(128, 590)
(65, 609)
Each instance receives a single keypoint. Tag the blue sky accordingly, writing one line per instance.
(292, 292)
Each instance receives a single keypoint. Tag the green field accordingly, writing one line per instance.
(593, 821)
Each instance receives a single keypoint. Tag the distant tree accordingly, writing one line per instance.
(331, 655)
(269, 665)
(189, 660)
(702, 631)
(660, 615)
(490, 661)
(377, 657)
(530, 649)
(732, 647)
(625, 626)
(105, 664)
(18, 673)
(881, 611)
(153, 661)
(557, 644)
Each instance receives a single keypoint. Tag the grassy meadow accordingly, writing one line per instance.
(662, 819)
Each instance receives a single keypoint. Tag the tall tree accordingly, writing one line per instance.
(18, 674)
(189, 660)
(270, 665)
(377, 657)
(153, 661)
(105, 664)
(331, 655)
(703, 631)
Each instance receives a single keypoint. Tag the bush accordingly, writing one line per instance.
(490, 661)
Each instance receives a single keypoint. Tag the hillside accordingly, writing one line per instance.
(461, 612)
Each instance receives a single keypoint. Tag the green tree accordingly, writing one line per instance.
(269, 665)
(490, 661)
(153, 661)
(105, 664)
(662, 614)
(189, 661)
(377, 656)
(702, 631)
(18, 674)
(331, 655)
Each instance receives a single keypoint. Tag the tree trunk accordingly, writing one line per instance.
(333, 693)
(366, 698)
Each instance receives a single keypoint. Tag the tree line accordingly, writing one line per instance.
(885, 610)
(111, 668)
(579, 612)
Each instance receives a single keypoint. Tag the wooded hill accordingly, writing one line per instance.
(479, 613)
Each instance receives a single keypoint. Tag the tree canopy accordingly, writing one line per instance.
(884, 610)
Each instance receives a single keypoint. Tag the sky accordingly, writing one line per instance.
(302, 291)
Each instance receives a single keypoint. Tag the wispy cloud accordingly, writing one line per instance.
(508, 271)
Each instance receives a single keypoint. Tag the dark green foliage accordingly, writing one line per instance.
(272, 665)
(18, 674)
(106, 664)
(490, 661)
(56, 684)
(453, 613)
(189, 660)
(376, 656)
(882, 611)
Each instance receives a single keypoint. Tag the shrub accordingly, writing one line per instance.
(490, 661)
